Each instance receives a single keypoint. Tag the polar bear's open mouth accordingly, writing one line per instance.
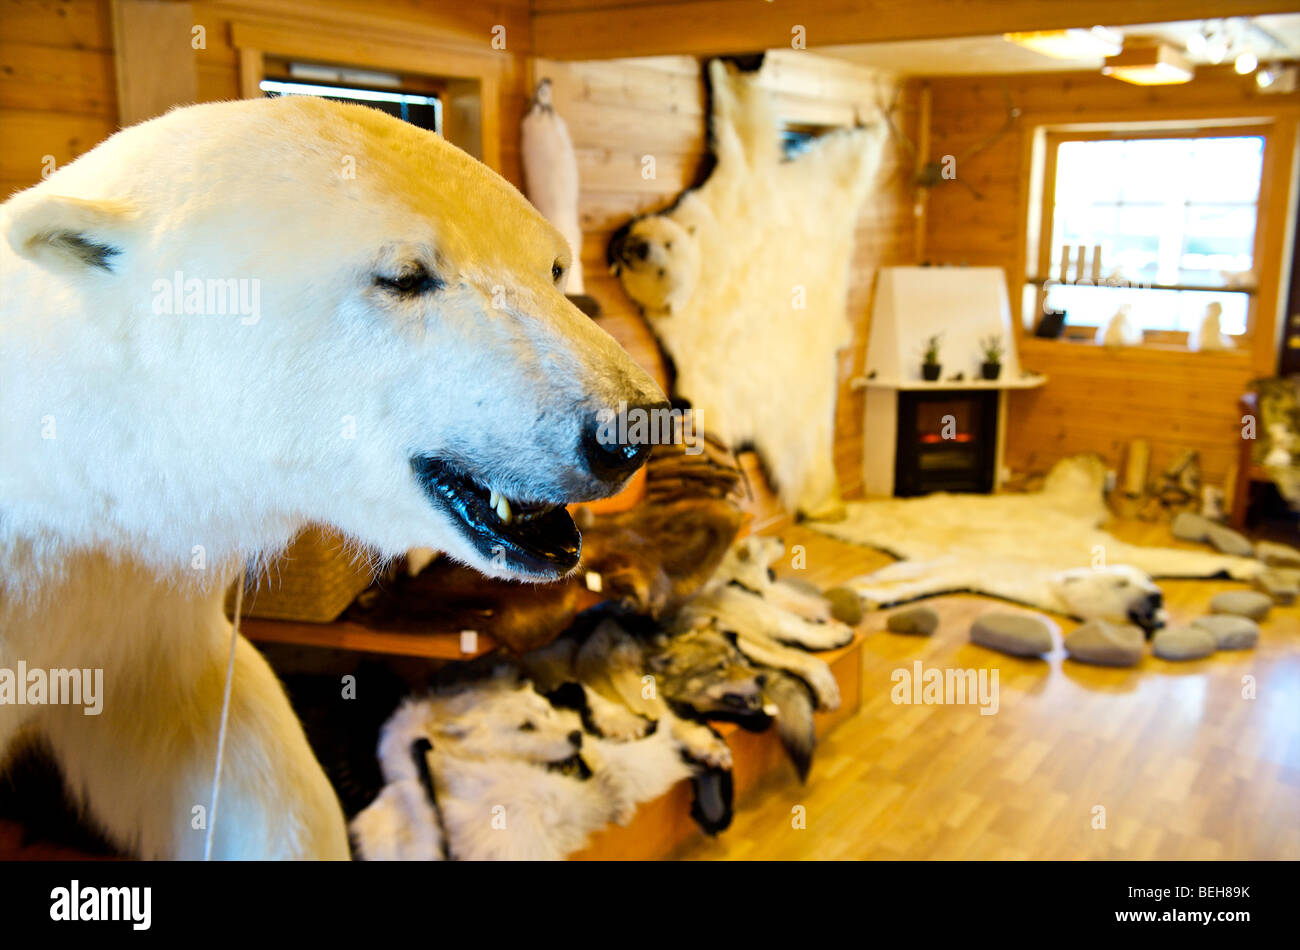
(539, 539)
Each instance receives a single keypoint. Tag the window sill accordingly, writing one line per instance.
(1172, 352)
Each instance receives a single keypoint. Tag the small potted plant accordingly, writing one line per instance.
(931, 368)
(992, 365)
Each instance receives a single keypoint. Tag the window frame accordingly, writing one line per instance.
(1044, 265)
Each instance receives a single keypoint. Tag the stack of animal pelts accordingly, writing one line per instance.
(491, 769)
(602, 709)
(569, 737)
(737, 650)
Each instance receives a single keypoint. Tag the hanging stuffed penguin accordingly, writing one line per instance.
(551, 175)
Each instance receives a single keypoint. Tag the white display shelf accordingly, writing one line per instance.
(1020, 382)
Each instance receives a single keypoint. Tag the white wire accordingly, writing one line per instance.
(225, 715)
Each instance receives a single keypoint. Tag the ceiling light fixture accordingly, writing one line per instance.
(1070, 44)
(1149, 64)
(1245, 63)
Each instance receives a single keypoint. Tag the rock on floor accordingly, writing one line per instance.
(1106, 644)
(1017, 634)
(1243, 603)
(1183, 643)
(1190, 526)
(1277, 555)
(1229, 541)
(1282, 584)
(1230, 632)
(921, 621)
(846, 605)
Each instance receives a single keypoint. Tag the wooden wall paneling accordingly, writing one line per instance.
(603, 29)
(57, 89)
(59, 24)
(155, 63)
(36, 78)
(1098, 400)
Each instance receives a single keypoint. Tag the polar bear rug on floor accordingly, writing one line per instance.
(1035, 549)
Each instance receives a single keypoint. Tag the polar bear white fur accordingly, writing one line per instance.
(1045, 549)
(745, 282)
(405, 302)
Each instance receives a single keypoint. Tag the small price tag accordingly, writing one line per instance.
(469, 641)
(593, 582)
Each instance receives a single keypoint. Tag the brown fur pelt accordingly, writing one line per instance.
(650, 559)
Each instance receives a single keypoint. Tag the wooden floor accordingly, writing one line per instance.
(1183, 766)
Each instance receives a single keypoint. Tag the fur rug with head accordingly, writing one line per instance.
(750, 272)
(1044, 549)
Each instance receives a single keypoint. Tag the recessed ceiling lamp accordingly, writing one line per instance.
(1070, 44)
(1149, 64)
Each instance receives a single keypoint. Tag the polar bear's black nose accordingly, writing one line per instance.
(615, 446)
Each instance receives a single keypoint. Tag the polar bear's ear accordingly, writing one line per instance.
(69, 232)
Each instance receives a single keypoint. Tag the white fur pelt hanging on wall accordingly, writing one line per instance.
(745, 280)
(551, 174)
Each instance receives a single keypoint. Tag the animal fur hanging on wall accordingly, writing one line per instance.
(551, 174)
(745, 279)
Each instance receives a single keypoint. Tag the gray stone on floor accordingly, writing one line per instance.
(1189, 526)
(846, 605)
(1277, 555)
(1017, 634)
(1183, 643)
(1106, 644)
(1282, 584)
(1230, 632)
(1229, 541)
(921, 621)
(1243, 603)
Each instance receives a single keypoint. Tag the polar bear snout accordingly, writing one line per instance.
(615, 445)
(1148, 612)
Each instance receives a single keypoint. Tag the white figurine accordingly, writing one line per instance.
(1211, 337)
(1120, 331)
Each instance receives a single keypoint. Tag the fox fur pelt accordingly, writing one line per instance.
(744, 280)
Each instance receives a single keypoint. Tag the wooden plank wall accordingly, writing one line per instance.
(619, 111)
(603, 29)
(56, 63)
(57, 96)
(1097, 400)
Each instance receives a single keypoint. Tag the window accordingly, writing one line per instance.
(387, 92)
(1166, 224)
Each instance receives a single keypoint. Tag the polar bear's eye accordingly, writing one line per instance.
(410, 282)
(557, 271)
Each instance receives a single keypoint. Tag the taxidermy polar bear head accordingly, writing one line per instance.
(241, 317)
(658, 261)
(1119, 594)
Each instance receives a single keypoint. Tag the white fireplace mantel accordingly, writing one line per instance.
(962, 305)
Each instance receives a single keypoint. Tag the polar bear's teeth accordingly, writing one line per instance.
(503, 509)
(495, 499)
